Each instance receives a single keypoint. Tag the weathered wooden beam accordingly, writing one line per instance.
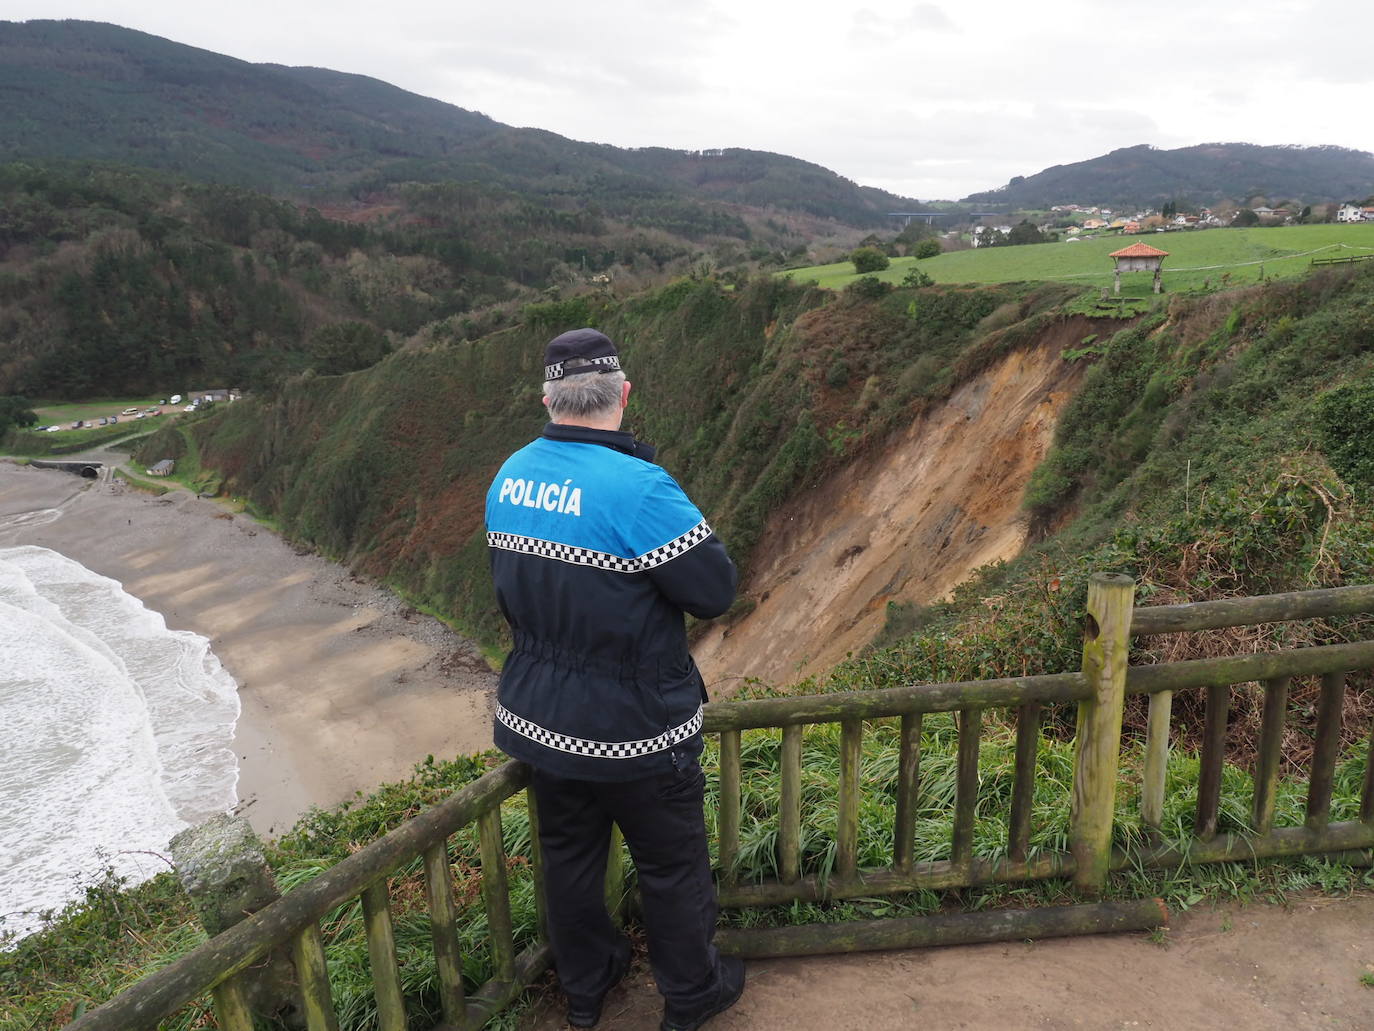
(162, 993)
(381, 951)
(1023, 784)
(847, 820)
(231, 1006)
(1347, 836)
(789, 806)
(930, 876)
(1299, 662)
(1269, 754)
(1367, 797)
(728, 816)
(1351, 836)
(307, 951)
(495, 995)
(944, 929)
(1215, 718)
(1097, 746)
(1325, 750)
(1269, 608)
(541, 903)
(894, 701)
(966, 786)
(443, 922)
(1156, 761)
(908, 781)
(496, 894)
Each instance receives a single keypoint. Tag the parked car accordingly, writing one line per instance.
(175, 399)
(129, 411)
(53, 429)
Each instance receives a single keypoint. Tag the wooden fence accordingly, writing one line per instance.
(1099, 690)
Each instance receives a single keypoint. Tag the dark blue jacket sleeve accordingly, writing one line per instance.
(701, 581)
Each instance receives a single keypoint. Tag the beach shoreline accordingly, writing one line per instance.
(342, 685)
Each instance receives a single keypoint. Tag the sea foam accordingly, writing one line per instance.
(114, 733)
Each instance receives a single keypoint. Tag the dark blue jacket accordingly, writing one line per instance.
(596, 553)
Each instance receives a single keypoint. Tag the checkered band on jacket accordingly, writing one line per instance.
(598, 749)
(600, 559)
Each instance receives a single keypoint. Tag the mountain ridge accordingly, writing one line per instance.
(91, 90)
(1206, 173)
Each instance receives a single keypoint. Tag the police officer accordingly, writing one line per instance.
(596, 553)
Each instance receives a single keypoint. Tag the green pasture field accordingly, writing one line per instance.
(1199, 259)
(68, 412)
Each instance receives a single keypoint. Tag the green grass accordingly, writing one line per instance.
(1240, 257)
(67, 412)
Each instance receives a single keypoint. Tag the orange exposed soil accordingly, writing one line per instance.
(907, 525)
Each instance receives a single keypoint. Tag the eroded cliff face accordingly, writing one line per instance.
(906, 525)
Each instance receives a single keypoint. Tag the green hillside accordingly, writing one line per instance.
(1199, 259)
(748, 393)
(1144, 176)
(751, 395)
(87, 90)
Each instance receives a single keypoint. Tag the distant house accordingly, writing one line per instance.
(1094, 223)
(1354, 213)
(215, 394)
(163, 468)
(1131, 227)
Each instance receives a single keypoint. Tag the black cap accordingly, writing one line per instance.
(589, 345)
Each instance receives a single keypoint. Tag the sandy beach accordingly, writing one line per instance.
(343, 686)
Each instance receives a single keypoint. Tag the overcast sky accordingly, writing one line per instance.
(929, 100)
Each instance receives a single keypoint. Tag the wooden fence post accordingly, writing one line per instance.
(1097, 747)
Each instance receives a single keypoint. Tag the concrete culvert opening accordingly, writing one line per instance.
(90, 472)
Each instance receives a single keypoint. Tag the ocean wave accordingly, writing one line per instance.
(114, 733)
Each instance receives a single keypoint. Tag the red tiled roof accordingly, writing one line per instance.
(1139, 250)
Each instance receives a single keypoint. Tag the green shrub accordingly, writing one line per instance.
(1345, 417)
(869, 259)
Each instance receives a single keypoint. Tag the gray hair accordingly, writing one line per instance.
(589, 395)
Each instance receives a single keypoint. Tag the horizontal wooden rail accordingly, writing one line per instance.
(894, 701)
(163, 993)
(1297, 662)
(1353, 836)
(945, 929)
(1267, 608)
(930, 876)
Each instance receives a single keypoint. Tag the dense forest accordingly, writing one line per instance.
(86, 90)
(118, 280)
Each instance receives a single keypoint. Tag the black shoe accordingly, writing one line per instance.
(588, 1014)
(729, 988)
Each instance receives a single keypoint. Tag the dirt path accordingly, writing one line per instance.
(1255, 967)
(907, 525)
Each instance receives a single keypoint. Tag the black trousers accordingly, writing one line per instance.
(661, 819)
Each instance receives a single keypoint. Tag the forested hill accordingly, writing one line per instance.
(760, 391)
(87, 90)
(1146, 177)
